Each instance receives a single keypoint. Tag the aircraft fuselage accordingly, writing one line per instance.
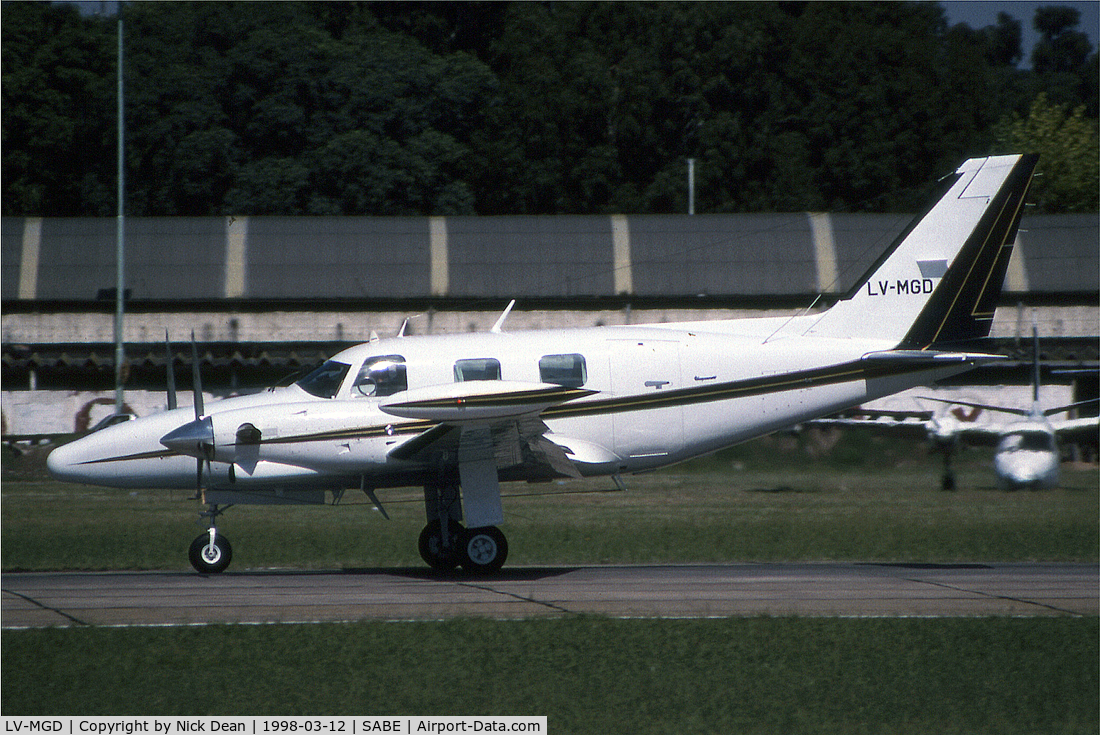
(638, 381)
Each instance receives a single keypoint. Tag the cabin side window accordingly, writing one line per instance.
(483, 368)
(567, 370)
(381, 376)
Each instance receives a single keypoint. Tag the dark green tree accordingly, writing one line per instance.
(1069, 155)
(1063, 60)
(503, 108)
(58, 112)
(267, 112)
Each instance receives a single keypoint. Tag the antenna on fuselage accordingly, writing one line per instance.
(500, 322)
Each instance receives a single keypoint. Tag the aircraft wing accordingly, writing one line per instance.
(892, 423)
(479, 400)
(1079, 428)
(482, 420)
(915, 427)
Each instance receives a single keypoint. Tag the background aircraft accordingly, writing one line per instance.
(1028, 454)
(458, 414)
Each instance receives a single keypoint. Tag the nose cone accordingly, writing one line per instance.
(63, 462)
(195, 439)
(1019, 470)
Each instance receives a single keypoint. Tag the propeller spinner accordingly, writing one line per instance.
(195, 439)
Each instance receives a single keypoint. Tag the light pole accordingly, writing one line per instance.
(691, 186)
(120, 233)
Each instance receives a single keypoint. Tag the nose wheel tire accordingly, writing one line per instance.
(439, 556)
(484, 550)
(210, 557)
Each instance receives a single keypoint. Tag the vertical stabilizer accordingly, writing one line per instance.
(939, 282)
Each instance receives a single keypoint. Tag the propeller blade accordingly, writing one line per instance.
(196, 378)
(170, 363)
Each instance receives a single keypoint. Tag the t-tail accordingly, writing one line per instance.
(937, 286)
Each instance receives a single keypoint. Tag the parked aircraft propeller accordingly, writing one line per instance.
(169, 363)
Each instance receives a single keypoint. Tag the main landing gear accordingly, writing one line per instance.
(477, 550)
(445, 544)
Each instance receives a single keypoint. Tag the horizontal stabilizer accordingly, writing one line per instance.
(1015, 411)
(984, 406)
(928, 358)
(1071, 406)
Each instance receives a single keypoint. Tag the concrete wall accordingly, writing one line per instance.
(333, 326)
(180, 258)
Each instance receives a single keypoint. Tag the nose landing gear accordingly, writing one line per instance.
(211, 552)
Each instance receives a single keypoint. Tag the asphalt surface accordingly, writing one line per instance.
(674, 591)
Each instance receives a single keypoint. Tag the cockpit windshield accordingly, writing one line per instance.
(325, 380)
(1027, 441)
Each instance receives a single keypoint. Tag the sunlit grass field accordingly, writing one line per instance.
(781, 498)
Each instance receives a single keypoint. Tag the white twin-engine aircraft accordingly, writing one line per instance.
(1027, 454)
(458, 414)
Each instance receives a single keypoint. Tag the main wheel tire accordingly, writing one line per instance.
(432, 550)
(209, 558)
(484, 550)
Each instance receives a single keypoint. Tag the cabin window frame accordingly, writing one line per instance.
(477, 368)
(571, 375)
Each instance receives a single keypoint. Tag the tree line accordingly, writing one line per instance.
(532, 108)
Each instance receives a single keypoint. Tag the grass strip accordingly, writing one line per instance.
(774, 499)
(587, 674)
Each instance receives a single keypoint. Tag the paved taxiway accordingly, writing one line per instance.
(813, 589)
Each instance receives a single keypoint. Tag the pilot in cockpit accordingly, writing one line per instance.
(381, 376)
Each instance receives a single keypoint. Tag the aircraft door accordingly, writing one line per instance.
(648, 425)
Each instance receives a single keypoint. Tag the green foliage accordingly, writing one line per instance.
(268, 112)
(58, 112)
(585, 674)
(300, 108)
(1069, 147)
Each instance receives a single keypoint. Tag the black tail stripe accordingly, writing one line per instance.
(962, 305)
